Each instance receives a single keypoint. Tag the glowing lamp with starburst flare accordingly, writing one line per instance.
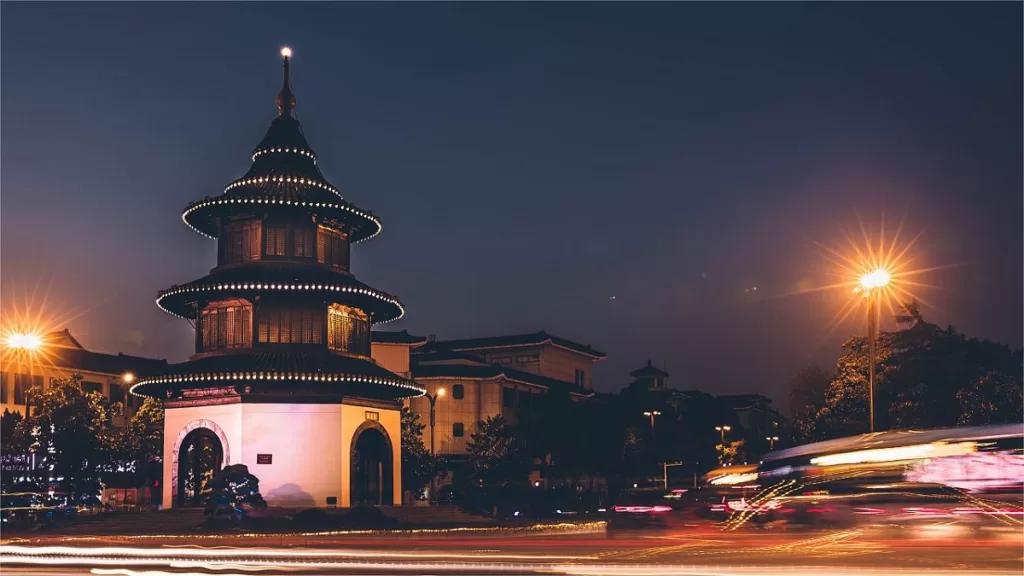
(878, 278)
(20, 341)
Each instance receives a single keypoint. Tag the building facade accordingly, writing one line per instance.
(494, 376)
(283, 379)
(61, 356)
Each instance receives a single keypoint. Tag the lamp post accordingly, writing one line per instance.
(722, 430)
(652, 414)
(872, 284)
(772, 440)
(433, 399)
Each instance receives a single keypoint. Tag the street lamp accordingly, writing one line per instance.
(772, 440)
(128, 377)
(19, 341)
(433, 398)
(722, 430)
(652, 414)
(872, 284)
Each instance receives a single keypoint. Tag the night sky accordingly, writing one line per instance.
(532, 161)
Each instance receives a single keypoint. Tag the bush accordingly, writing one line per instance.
(231, 491)
(315, 518)
(368, 517)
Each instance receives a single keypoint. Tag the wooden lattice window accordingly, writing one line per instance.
(290, 327)
(226, 324)
(348, 330)
(303, 243)
(331, 248)
(275, 241)
(243, 242)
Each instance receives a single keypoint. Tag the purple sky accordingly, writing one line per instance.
(530, 161)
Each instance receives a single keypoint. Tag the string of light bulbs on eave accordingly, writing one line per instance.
(307, 153)
(283, 180)
(277, 286)
(279, 202)
(276, 376)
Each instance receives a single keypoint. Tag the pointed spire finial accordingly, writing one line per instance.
(285, 98)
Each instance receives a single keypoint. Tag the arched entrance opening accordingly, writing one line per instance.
(200, 455)
(372, 473)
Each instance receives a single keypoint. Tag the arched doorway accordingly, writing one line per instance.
(372, 472)
(200, 455)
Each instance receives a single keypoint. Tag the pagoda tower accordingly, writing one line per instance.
(282, 379)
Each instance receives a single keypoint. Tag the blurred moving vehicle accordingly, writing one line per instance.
(973, 474)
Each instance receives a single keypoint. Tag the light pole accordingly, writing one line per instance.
(722, 430)
(772, 440)
(872, 284)
(433, 399)
(652, 414)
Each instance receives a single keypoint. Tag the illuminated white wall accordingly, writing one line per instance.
(309, 444)
(305, 442)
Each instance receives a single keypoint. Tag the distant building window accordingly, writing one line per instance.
(348, 330)
(242, 242)
(458, 430)
(303, 242)
(117, 393)
(528, 359)
(22, 383)
(226, 324)
(89, 387)
(524, 401)
(581, 378)
(274, 241)
(290, 327)
(331, 248)
(503, 360)
(458, 391)
(508, 397)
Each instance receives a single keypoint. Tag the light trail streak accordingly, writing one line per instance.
(13, 551)
(561, 528)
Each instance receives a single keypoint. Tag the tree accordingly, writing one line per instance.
(927, 377)
(994, 398)
(15, 444)
(732, 453)
(70, 431)
(136, 445)
(419, 466)
(498, 458)
(807, 396)
(231, 490)
(910, 314)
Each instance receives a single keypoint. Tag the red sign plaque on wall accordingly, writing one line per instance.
(264, 458)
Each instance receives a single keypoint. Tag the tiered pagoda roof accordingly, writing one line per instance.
(283, 184)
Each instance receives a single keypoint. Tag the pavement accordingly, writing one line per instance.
(589, 549)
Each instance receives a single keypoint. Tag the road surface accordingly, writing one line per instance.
(938, 550)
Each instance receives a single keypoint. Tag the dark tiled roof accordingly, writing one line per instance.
(246, 281)
(434, 354)
(493, 371)
(81, 359)
(402, 337)
(284, 172)
(745, 400)
(284, 365)
(534, 339)
(648, 372)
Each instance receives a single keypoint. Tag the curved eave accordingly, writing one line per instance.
(385, 308)
(328, 382)
(200, 215)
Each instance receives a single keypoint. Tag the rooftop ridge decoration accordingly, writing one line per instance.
(285, 98)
